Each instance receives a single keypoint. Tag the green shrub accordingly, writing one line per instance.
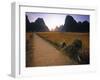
(77, 44)
(74, 49)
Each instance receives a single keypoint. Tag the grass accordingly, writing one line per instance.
(67, 37)
(56, 38)
(29, 48)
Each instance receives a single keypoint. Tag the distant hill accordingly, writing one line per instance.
(37, 26)
(71, 25)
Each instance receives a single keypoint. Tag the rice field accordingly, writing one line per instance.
(67, 37)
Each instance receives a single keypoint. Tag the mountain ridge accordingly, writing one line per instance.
(70, 25)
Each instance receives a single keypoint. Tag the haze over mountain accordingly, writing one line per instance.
(37, 26)
(70, 25)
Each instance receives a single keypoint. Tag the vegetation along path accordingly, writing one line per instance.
(46, 54)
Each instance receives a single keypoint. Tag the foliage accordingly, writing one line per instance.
(76, 49)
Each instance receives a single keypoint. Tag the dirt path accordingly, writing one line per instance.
(45, 54)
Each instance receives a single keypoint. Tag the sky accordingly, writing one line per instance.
(53, 20)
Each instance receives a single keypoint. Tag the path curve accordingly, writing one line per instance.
(46, 54)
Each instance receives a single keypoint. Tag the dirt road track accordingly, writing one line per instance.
(46, 54)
